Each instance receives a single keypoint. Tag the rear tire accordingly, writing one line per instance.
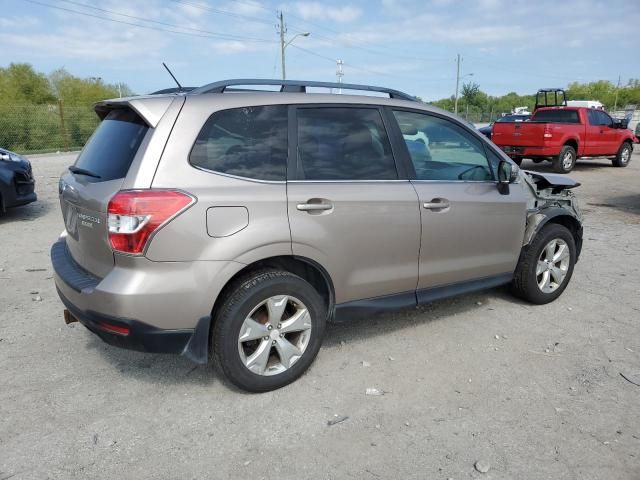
(623, 156)
(566, 160)
(254, 343)
(536, 276)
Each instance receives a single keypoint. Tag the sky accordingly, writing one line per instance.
(409, 45)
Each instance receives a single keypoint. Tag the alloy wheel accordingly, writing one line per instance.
(275, 335)
(553, 265)
(567, 161)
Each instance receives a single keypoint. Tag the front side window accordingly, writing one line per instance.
(338, 143)
(247, 142)
(604, 119)
(441, 150)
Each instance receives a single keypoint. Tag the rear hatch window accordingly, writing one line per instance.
(99, 174)
(110, 150)
(557, 116)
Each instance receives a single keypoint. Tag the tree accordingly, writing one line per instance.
(470, 93)
(21, 84)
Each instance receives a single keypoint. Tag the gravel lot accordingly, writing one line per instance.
(533, 391)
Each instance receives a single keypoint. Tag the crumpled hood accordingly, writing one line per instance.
(557, 183)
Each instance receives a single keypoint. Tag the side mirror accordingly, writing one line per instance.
(620, 123)
(507, 173)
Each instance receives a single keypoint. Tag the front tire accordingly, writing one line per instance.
(623, 157)
(268, 330)
(566, 160)
(545, 266)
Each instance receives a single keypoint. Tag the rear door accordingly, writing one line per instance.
(101, 169)
(470, 232)
(349, 209)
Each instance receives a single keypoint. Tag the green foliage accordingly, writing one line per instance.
(20, 83)
(483, 107)
(55, 112)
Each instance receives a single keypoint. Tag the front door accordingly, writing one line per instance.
(610, 136)
(470, 231)
(348, 210)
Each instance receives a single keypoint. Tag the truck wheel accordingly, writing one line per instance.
(624, 155)
(268, 330)
(545, 266)
(565, 162)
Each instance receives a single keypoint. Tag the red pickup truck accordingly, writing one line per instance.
(562, 134)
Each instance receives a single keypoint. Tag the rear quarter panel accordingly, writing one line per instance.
(187, 237)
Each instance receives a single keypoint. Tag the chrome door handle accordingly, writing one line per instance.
(311, 207)
(437, 204)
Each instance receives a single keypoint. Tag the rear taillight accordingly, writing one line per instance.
(134, 215)
(547, 131)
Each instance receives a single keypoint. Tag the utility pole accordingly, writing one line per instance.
(339, 72)
(615, 104)
(282, 30)
(458, 59)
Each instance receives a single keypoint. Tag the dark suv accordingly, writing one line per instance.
(17, 185)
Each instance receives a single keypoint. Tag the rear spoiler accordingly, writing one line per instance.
(150, 108)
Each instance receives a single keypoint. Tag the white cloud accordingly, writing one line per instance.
(16, 23)
(320, 11)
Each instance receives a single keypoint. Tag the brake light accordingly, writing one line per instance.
(547, 132)
(134, 215)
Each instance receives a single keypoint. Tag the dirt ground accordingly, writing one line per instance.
(535, 392)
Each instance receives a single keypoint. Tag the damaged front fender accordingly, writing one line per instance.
(552, 199)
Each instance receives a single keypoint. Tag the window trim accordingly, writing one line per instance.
(406, 156)
(292, 166)
(240, 177)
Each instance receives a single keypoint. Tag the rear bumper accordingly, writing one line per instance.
(109, 308)
(528, 151)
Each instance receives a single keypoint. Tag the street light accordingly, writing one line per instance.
(284, 44)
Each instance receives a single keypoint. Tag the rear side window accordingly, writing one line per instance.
(557, 116)
(337, 143)
(110, 150)
(247, 142)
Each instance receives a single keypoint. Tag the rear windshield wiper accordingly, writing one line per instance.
(83, 171)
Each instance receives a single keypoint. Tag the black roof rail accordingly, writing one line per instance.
(299, 86)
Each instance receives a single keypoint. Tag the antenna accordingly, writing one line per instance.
(172, 76)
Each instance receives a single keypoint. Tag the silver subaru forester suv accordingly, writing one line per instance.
(234, 223)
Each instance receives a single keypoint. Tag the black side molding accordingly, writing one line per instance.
(372, 306)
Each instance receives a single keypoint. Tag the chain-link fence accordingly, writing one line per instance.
(45, 128)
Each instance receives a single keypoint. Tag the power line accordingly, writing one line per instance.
(204, 34)
(223, 12)
(363, 69)
(345, 43)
